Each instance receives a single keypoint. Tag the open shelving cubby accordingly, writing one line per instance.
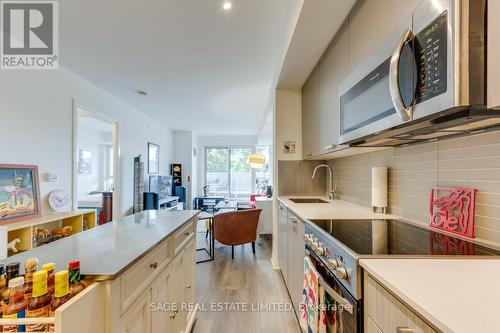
(79, 220)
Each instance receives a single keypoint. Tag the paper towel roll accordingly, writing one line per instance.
(379, 187)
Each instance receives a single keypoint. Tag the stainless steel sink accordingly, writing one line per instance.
(308, 200)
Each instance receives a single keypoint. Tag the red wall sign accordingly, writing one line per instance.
(452, 210)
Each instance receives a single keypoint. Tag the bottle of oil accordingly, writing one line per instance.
(61, 294)
(30, 267)
(40, 301)
(17, 304)
(50, 267)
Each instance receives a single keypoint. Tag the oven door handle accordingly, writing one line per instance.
(405, 113)
(336, 296)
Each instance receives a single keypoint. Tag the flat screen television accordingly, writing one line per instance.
(161, 185)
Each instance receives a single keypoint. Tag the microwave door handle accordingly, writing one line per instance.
(404, 113)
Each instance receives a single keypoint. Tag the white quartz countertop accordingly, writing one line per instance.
(456, 295)
(334, 209)
(108, 250)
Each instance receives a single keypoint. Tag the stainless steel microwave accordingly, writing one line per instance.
(427, 80)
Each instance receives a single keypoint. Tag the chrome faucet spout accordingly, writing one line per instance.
(331, 192)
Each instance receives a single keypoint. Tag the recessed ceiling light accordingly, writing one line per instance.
(227, 5)
(142, 92)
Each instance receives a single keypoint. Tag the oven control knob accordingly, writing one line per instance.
(320, 251)
(333, 263)
(341, 273)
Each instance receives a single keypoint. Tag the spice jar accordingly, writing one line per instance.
(75, 286)
(12, 272)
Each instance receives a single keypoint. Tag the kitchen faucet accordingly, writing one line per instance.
(331, 192)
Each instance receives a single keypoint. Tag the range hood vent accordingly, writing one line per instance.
(449, 123)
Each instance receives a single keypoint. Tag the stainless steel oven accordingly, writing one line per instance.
(430, 71)
(350, 316)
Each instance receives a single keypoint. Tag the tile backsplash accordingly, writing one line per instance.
(295, 178)
(470, 161)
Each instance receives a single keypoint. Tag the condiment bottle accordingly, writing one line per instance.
(50, 267)
(12, 271)
(40, 301)
(61, 294)
(3, 287)
(17, 304)
(30, 267)
(75, 286)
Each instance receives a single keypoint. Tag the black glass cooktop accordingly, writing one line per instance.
(366, 237)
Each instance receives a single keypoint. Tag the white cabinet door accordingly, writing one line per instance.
(295, 259)
(163, 321)
(369, 25)
(311, 115)
(333, 69)
(137, 319)
(493, 54)
(283, 241)
(189, 266)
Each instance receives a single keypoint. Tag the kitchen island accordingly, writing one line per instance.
(141, 268)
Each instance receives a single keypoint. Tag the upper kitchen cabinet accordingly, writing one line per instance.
(369, 25)
(311, 117)
(493, 54)
(333, 68)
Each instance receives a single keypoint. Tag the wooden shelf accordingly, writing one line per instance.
(79, 220)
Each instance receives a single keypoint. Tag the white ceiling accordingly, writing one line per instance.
(204, 69)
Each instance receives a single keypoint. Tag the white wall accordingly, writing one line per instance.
(217, 140)
(288, 123)
(36, 112)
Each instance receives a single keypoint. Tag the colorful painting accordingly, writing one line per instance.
(19, 192)
(289, 147)
(453, 210)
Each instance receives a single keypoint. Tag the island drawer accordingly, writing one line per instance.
(136, 279)
(183, 235)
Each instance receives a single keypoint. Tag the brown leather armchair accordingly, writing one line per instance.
(237, 228)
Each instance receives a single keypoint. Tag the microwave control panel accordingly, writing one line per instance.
(431, 56)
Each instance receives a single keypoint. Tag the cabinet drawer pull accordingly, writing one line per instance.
(309, 155)
(295, 221)
(188, 286)
(154, 265)
(186, 233)
(404, 330)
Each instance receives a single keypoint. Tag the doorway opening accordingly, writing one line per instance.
(95, 163)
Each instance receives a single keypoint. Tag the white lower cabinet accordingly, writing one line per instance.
(138, 317)
(291, 254)
(296, 255)
(386, 314)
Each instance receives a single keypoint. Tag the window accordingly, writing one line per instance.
(228, 173)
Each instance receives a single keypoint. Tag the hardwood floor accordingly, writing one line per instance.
(248, 280)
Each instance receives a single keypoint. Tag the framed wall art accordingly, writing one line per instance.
(19, 193)
(153, 158)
